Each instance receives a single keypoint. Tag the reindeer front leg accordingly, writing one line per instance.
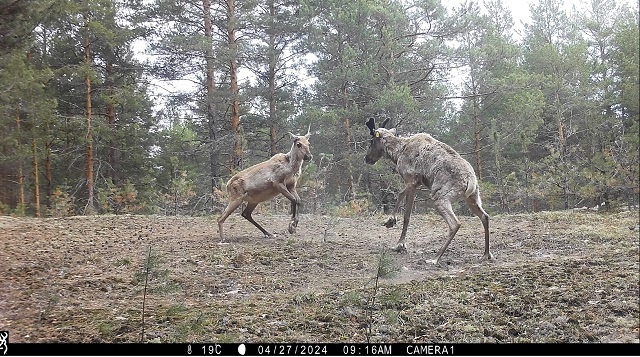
(410, 195)
(392, 219)
(295, 203)
(295, 210)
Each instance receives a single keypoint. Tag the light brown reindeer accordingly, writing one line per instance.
(422, 160)
(263, 181)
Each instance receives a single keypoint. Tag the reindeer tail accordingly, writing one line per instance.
(472, 187)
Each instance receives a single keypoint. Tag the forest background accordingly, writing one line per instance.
(548, 116)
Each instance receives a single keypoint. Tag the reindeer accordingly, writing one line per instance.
(266, 180)
(422, 160)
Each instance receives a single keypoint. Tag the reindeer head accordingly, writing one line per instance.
(376, 147)
(300, 147)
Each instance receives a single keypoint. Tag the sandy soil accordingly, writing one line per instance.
(558, 277)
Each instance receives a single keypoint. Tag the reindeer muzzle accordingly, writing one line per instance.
(307, 157)
(369, 161)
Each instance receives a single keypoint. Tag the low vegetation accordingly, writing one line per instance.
(558, 277)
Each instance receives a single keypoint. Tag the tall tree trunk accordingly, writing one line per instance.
(4, 180)
(112, 159)
(36, 175)
(211, 106)
(562, 143)
(111, 122)
(21, 197)
(47, 167)
(273, 119)
(500, 179)
(351, 191)
(476, 133)
(273, 149)
(347, 126)
(236, 157)
(89, 152)
(47, 134)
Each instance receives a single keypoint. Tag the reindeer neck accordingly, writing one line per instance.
(393, 147)
(295, 159)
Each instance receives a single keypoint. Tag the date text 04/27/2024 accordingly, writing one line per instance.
(325, 349)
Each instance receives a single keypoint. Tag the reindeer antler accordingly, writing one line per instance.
(371, 124)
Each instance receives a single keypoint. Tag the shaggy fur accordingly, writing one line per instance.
(422, 160)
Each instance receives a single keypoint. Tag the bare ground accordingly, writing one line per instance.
(558, 277)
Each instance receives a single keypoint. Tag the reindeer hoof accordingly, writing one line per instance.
(269, 236)
(292, 227)
(401, 248)
(435, 262)
(390, 222)
(488, 257)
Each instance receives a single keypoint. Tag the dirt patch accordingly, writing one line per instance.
(558, 277)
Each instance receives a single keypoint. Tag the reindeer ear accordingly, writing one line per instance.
(371, 124)
(384, 123)
(294, 138)
(308, 131)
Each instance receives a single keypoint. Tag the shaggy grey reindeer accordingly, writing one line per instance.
(263, 181)
(422, 160)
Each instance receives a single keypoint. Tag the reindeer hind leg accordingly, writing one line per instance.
(443, 206)
(475, 205)
(247, 215)
(233, 204)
